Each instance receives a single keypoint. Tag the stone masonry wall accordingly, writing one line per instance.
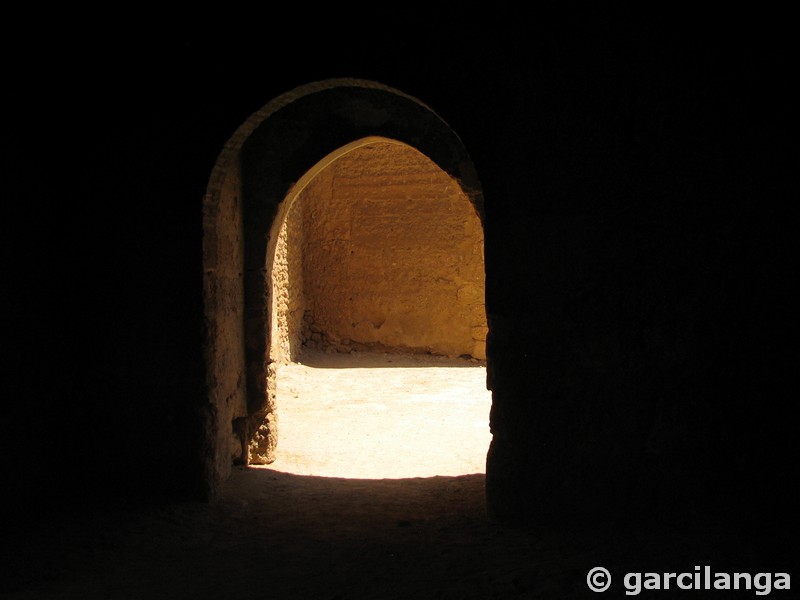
(288, 301)
(224, 291)
(393, 257)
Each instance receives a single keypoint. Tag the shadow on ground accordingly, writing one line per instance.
(277, 535)
(382, 360)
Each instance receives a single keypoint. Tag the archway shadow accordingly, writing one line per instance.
(279, 535)
(381, 360)
(430, 537)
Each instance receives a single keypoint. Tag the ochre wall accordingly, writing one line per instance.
(392, 258)
(288, 301)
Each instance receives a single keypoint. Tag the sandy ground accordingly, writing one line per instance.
(380, 416)
(393, 519)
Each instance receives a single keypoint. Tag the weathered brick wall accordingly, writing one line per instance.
(392, 256)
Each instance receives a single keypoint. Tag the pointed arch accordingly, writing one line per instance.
(269, 157)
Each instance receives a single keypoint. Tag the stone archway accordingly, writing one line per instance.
(377, 249)
(260, 165)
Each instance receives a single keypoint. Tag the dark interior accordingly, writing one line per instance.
(636, 262)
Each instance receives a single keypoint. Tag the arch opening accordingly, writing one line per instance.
(277, 154)
(377, 249)
(377, 319)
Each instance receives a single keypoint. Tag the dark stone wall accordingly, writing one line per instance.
(635, 260)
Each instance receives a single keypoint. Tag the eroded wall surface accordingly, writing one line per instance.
(288, 299)
(225, 344)
(392, 258)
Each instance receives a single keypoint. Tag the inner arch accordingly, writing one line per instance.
(376, 264)
(377, 250)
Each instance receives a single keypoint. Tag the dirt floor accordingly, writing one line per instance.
(393, 519)
(382, 416)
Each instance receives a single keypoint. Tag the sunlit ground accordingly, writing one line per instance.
(376, 416)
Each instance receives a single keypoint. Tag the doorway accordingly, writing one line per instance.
(378, 323)
(273, 156)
